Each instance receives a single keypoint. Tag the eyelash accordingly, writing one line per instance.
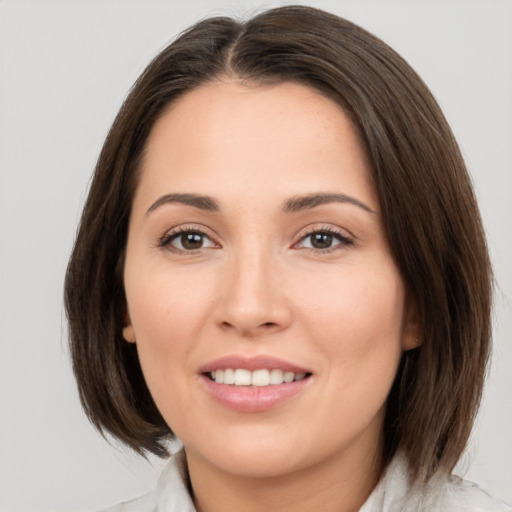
(345, 241)
(165, 241)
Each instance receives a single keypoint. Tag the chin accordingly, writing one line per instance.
(258, 464)
(252, 455)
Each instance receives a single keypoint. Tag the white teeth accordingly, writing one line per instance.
(288, 376)
(258, 378)
(229, 376)
(276, 377)
(242, 377)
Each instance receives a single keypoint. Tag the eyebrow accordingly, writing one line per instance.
(292, 205)
(197, 201)
(300, 203)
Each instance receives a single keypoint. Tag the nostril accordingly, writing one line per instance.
(250, 331)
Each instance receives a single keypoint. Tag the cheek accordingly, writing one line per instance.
(358, 321)
(163, 323)
(165, 307)
(358, 299)
(167, 312)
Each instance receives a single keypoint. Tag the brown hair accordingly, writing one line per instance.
(429, 211)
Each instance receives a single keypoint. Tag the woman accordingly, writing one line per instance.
(281, 262)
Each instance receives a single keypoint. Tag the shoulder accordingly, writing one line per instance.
(395, 493)
(458, 494)
(146, 503)
(170, 495)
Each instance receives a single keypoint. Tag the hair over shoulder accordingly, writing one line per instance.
(429, 210)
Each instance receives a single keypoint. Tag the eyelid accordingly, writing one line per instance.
(164, 241)
(342, 235)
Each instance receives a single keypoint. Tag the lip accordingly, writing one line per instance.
(252, 363)
(250, 399)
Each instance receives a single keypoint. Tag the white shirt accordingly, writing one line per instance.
(392, 494)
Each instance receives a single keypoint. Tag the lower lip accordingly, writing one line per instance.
(253, 398)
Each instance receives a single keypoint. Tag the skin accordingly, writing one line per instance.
(257, 285)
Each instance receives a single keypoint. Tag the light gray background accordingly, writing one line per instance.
(65, 67)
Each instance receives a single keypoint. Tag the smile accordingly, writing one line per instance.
(254, 384)
(258, 378)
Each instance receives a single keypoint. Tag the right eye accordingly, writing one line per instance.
(186, 240)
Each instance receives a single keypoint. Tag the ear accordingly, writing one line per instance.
(128, 331)
(412, 332)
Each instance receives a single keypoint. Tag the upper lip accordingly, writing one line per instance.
(252, 363)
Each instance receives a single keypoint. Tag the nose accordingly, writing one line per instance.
(252, 298)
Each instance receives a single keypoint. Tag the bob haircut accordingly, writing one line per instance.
(430, 215)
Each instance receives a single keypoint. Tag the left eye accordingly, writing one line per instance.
(188, 241)
(324, 240)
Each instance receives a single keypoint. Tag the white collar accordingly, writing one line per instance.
(393, 493)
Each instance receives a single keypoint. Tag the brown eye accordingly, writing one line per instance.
(324, 240)
(186, 240)
(321, 240)
(191, 241)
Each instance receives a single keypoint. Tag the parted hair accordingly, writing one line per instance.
(430, 215)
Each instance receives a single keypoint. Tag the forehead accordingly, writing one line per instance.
(285, 137)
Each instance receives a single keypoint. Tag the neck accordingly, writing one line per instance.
(340, 484)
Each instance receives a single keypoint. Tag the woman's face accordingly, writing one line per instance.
(256, 255)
